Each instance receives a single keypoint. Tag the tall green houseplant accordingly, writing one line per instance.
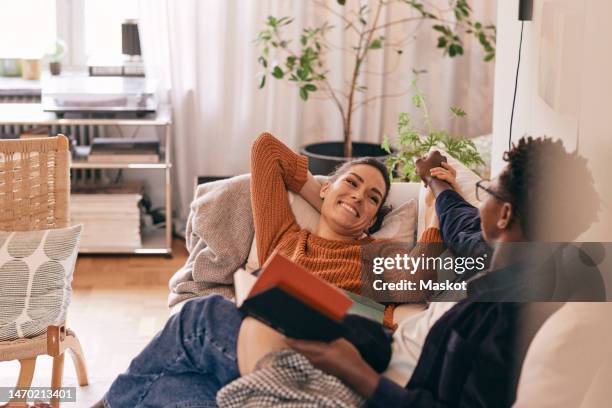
(304, 63)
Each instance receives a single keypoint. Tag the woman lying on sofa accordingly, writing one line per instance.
(210, 343)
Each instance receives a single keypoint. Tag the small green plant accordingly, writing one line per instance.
(413, 142)
(56, 51)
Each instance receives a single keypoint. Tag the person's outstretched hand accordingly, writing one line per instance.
(447, 173)
(341, 359)
(423, 165)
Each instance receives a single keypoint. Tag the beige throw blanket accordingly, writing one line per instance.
(218, 237)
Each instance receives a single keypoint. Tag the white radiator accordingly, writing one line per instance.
(82, 135)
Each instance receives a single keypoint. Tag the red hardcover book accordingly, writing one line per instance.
(295, 302)
(282, 272)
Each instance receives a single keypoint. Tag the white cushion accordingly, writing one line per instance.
(402, 192)
(36, 269)
(399, 225)
(466, 179)
(565, 356)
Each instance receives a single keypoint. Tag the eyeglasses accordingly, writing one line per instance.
(480, 185)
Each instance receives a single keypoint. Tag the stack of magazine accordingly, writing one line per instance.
(110, 216)
(120, 150)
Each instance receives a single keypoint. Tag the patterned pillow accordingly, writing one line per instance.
(36, 270)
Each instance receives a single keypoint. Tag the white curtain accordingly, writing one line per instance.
(204, 56)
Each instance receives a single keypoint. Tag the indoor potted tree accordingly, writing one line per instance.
(304, 62)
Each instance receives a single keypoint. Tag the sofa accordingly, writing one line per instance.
(568, 363)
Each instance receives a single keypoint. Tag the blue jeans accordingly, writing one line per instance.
(185, 364)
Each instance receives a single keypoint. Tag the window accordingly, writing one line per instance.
(27, 28)
(102, 26)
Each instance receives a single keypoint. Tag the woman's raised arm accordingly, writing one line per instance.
(274, 169)
(311, 192)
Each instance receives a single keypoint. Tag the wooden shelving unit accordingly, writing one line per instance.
(159, 241)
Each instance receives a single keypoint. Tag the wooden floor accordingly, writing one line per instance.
(118, 304)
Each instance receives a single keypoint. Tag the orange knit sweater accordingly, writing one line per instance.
(274, 170)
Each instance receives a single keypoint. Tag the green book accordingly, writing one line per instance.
(366, 307)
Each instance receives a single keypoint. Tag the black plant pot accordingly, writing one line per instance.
(323, 158)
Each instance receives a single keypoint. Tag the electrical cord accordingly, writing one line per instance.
(518, 65)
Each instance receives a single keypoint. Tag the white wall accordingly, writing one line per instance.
(580, 55)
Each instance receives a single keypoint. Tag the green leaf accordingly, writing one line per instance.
(443, 29)
(417, 100)
(272, 21)
(341, 2)
(263, 62)
(455, 49)
(408, 170)
(262, 83)
(277, 72)
(376, 43)
(284, 21)
(489, 57)
(482, 38)
(385, 145)
(303, 93)
(310, 87)
(458, 111)
(290, 63)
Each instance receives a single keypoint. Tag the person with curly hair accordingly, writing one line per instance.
(472, 355)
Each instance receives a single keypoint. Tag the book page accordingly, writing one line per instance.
(243, 282)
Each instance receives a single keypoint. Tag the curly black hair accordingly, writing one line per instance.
(383, 210)
(551, 191)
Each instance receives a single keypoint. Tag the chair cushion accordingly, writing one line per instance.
(36, 269)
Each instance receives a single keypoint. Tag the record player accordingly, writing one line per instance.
(99, 95)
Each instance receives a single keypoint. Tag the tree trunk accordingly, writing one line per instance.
(348, 143)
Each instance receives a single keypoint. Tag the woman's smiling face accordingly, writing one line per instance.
(350, 202)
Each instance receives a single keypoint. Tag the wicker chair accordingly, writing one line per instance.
(34, 195)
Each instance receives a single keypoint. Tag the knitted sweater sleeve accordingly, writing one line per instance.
(274, 170)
